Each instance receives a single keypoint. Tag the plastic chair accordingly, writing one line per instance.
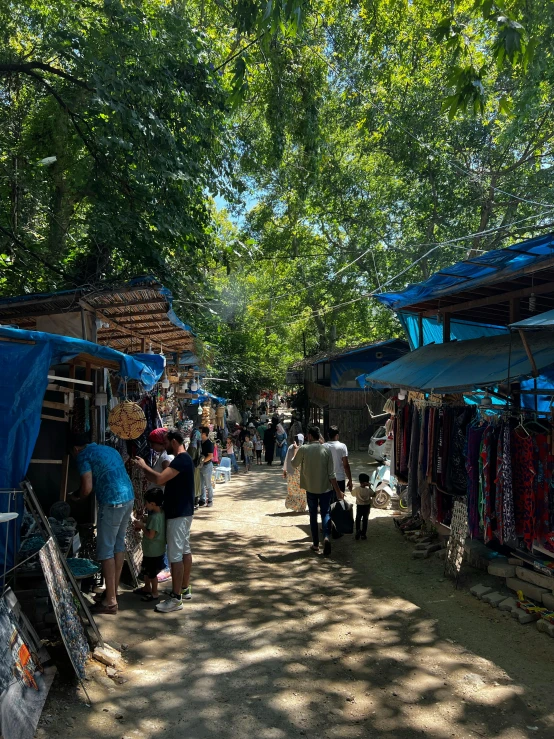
(223, 472)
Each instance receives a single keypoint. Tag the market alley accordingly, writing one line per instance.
(278, 642)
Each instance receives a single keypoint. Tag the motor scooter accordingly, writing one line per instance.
(388, 491)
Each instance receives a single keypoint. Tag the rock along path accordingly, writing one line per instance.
(278, 642)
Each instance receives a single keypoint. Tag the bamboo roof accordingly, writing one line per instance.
(137, 312)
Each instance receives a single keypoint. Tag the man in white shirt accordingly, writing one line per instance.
(339, 452)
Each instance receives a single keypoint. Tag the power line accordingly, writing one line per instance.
(469, 172)
(332, 308)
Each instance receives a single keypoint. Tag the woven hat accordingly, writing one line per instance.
(127, 420)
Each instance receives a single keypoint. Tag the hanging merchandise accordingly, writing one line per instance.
(127, 420)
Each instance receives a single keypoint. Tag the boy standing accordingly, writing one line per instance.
(248, 447)
(153, 543)
(363, 495)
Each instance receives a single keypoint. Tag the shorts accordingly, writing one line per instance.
(178, 538)
(111, 528)
(152, 566)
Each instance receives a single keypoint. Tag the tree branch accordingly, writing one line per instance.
(28, 67)
(21, 244)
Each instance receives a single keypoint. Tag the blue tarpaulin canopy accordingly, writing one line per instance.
(477, 363)
(432, 330)
(26, 357)
(542, 320)
(207, 396)
(495, 265)
(25, 360)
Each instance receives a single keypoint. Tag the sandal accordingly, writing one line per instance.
(101, 608)
(148, 597)
(140, 591)
(99, 597)
(314, 548)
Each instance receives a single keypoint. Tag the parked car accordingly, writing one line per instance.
(379, 445)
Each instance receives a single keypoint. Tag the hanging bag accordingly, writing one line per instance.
(342, 518)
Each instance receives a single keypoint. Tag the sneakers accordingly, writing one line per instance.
(209, 504)
(326, 548)
(186, 593)
(201, 503)
(173, 603)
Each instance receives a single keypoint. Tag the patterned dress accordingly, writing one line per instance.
(296, 496)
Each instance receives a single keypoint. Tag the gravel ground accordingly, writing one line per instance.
(279, 642)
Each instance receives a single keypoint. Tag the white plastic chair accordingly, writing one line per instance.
(223, 472)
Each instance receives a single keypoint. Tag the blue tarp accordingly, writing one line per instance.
(345, 367)
(23, 379)
(542, 320)
(477, 363)
(432, 329)
(207, 396)
(497, 264)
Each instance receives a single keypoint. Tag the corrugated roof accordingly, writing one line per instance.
(339, 353)
(497, 272)
(476, 363)
(135, 310)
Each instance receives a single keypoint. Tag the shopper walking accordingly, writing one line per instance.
(230, 448)
(339, 452)
(281, 443)
(269, 442)
(317, 477)
(207, 468)
(102, 469)
(178, 480)
(296, 495)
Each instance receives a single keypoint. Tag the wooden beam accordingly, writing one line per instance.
(65, 475)
(69, 379)
(493, 299)
(56, 406)
(46, 461)
(528, 351)
(138, 314)
(54, 418)
(446, 328)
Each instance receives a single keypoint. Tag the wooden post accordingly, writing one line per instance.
(515, 310)
(446, 328)
(419, 331)
(65, 474)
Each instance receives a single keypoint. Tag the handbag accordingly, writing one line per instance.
(342, 518)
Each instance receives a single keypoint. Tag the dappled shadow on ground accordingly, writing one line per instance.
(287, 643)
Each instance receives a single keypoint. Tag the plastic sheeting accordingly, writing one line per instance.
(432, 330)
(24, 365)
(478, 363)
(542, 320)
(466, 275)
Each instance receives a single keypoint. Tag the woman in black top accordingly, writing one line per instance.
(269, 442)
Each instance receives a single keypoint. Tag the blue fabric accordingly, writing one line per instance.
(110, 480)
(432, 330)
(476, 363)
(465, 275)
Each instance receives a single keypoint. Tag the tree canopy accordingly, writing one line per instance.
(275, 163)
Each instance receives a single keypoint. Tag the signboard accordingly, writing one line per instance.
(294, 377)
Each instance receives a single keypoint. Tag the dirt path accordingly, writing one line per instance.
(279, 642)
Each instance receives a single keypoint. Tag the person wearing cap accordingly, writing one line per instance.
(296, 496)
(158, 442)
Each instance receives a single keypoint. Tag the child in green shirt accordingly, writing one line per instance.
(153, 543)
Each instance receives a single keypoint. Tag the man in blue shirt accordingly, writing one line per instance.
(178, 479)
(102, 470)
